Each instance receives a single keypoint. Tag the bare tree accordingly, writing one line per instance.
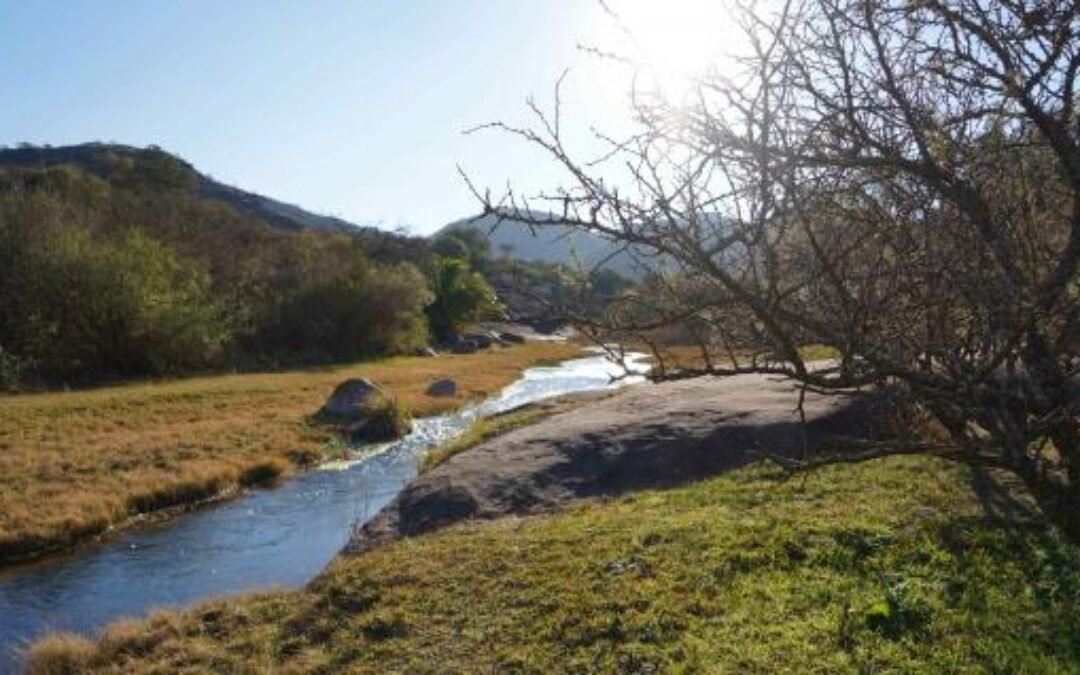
(897, 179)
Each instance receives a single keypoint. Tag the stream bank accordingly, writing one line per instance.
(266, 538)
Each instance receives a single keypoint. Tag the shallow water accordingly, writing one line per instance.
(278, 537)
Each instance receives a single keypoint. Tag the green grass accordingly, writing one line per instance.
(482, 430)
(904, 564)
(816, 352)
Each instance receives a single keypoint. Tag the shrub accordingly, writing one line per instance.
(461, 296)
(126, 307)
(384, 419)
(11, 370)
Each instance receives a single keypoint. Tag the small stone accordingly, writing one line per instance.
(513, 338)
(442, 388)
(482, 340)
(463, 346)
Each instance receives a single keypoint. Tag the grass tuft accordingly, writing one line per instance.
(60, 654)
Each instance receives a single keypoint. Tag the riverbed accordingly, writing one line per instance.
(280, 537)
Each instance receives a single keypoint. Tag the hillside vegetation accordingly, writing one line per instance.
(120, 266)
(904, 564)
(74, 464)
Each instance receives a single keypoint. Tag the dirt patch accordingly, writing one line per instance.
(645, 437)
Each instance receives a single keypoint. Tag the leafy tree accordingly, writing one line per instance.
(470, 244)
(461, 296)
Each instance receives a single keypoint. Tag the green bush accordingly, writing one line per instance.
(461, 296)
(385, 419)
(11, 370)
(125, 307)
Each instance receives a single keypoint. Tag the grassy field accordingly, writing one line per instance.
(903, 564)
(74, 464)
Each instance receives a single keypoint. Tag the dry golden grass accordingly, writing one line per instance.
(74, 464)
(61, 654)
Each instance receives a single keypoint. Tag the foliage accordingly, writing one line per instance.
(467, 243)
(535, 290)
(11, 370)
(384, 419)
(895, 565)
(461, 295)
(83, 306)
(121, 269)
(359, 310)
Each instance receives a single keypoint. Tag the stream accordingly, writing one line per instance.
(277, 537)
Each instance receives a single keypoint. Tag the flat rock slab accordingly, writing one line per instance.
(647, 436)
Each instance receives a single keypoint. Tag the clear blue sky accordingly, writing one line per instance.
(353, 108)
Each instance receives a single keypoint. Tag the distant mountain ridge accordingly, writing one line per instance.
(549, 243)
(101, 158)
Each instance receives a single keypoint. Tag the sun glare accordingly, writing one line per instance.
(676, 40)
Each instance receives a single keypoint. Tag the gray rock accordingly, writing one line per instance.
(512, 338)
(426, 351)
(351, 399)
(646, 438)
(441, 388)
(463, 346)
(482, 340)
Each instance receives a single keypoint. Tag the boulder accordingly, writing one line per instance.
(364, 412)
(482, 340)
(442, 388)
(512, 338)
(351, 399)
(463, 346)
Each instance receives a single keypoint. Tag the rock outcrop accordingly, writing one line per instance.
(648, 436)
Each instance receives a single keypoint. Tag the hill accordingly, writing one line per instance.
(105, 160)
(550, 243)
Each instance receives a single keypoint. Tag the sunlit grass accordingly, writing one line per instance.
(487, 428)
(74, 464)
(905, 564)
(480, 431)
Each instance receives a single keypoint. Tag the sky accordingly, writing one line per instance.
(352, 108)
